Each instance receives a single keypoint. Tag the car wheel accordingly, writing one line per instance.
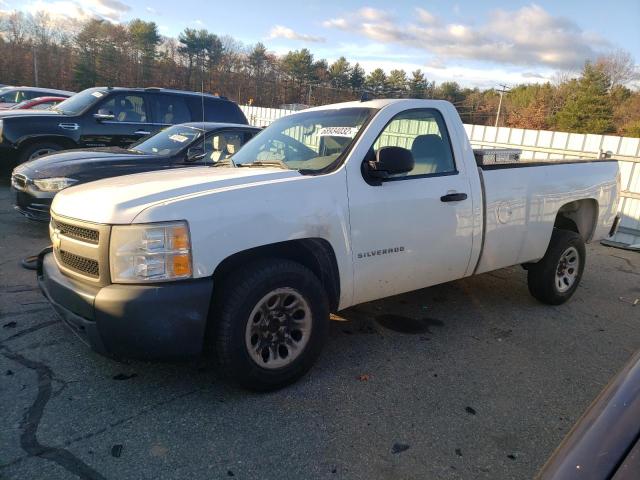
(37, 150)
(555, 278)
(272, 320)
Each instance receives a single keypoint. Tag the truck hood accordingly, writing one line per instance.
(73, 162)
(119, 200)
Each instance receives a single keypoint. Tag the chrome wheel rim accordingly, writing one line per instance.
(40, 152)
(278, 328)
(567, 270)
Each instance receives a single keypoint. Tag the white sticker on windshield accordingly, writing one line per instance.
(349, 132)
(98, 94)
(179, 138)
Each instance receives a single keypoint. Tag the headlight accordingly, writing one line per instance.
(54, 184)
(150, 252)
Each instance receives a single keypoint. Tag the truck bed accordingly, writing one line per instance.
(520, 209)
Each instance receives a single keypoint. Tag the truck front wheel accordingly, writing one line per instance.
(555, 278)
(272, 320)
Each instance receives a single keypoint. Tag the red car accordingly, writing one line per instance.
(38, 103)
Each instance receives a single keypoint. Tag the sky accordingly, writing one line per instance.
(476, 43)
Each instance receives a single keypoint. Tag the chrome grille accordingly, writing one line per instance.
(80, 233)
(81, 249)
(80, 264)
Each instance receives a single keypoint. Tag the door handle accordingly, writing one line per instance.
(453, 197)
(141, 132)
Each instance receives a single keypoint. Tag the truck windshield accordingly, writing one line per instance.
(79, 102)
(309, 141)
(169, 141)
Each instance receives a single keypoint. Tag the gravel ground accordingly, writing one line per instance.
(471, 379)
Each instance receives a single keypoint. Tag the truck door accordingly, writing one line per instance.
(415, 229)
(128, 120)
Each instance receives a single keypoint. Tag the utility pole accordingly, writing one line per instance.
(35, 66)
(502, 91)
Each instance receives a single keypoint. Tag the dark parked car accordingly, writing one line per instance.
(107, 117)
(38, 103)
(9, 96)
(605, 442)
(36, 182)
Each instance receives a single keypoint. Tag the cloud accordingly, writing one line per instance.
(528, 36)
(533, 75)
(111, 10)
(284, 32)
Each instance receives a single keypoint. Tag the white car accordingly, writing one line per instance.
(324, 209)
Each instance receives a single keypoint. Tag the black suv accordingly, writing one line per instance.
(107, 117)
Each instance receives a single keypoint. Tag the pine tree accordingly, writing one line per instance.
(397, 83)
(339, 73)
(588, 108)
(418, 85)
(377, 81)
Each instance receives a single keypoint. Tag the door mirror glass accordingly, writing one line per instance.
(391, 161)
(104, 114)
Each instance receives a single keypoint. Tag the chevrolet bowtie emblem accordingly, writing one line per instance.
(55, 239)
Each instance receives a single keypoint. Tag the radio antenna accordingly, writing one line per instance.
(204, 130)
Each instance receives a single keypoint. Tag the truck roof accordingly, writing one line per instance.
(377, 103)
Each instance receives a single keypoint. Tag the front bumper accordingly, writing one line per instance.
(32, 207)
(165, 320)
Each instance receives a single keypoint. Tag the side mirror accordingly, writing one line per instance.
(390, 161)
(194, 154)
(104, 114)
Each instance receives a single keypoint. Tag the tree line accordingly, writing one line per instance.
(35, 49)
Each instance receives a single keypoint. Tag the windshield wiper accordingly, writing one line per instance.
(225, 163)
(265, 163)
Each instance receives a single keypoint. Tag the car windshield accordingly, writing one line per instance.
(169, 141)
(79, 102)
(309, 141)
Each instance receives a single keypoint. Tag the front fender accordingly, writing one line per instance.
(228, 221)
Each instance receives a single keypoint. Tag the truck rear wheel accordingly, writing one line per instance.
(555, 278)
(272, 320)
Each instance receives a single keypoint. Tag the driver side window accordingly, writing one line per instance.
(126, 108)
(222, 145)
(424, 134)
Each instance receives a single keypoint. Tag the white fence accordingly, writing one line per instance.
(541, 145)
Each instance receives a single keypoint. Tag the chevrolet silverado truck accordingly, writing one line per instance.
(324, 209)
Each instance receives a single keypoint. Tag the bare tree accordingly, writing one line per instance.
(619, 66)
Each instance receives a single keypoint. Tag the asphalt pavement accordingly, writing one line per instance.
(471, 379)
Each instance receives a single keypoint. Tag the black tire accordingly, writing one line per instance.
(542, 275)
(25, 153)
(243, 291)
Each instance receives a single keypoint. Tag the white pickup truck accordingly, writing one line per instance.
(327, 208)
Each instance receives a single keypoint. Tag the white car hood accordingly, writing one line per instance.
(119, 200)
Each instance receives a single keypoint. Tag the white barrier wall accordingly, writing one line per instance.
(542, 145)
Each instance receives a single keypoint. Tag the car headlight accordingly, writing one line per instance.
(150, 252)
(54, 184)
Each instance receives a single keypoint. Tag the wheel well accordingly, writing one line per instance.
(579, 216)
(314, 253)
